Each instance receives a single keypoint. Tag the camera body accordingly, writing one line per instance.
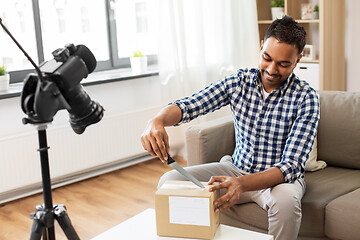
(59, 88)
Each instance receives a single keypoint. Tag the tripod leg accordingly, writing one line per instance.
(43, 224)
(49, 233)
(36, 229)
(64, 222)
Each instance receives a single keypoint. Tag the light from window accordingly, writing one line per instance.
(74, 21)
(61, 20)
(85, 19)
(79, 22)
(141, 17)
(136, 26)
(18, 17)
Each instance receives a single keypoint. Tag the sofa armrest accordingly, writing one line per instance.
(209, 141)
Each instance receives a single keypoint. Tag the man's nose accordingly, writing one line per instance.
(272, 68)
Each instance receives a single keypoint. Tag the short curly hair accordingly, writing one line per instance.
(287, 30)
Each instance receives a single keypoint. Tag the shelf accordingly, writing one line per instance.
(265, 21)
(308, 21)
(310, 61)
(298, 20)
(326, 35)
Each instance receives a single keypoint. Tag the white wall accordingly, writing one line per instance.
(116, 97)
(20, 162)
(352, 49)
(115, 138)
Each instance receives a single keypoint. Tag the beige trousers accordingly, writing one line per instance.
(282, 202)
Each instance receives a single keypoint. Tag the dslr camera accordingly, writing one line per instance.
(59, 87)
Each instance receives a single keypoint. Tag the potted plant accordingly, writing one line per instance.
(138, 63)
(315, 13)
(277, 9)
(4, 79)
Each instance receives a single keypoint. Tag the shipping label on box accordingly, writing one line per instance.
(185, 210)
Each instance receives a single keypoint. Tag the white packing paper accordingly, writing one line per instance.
(189, 210)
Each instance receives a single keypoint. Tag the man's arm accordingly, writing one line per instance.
(237, 185)
(154, 138)
(300, 139)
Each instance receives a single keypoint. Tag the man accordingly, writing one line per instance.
(275, 117)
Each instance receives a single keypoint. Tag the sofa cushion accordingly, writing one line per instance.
(322, 187)
(312, 164)
(210, 141)
(249, 213)
(342, 219)
(339, 129)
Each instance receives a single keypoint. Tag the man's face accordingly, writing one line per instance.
(277, 61)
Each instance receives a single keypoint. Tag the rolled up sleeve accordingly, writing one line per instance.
(207, 100)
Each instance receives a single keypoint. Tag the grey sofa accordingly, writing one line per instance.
(331, 204)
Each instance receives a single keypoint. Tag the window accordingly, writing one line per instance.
(141, 17)
(111, 29)
(18, 17)
(74, 21)
(136, 26)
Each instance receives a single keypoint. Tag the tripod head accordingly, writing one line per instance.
(56, 86)
(41, 100)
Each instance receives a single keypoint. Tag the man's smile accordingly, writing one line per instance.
(271, 77)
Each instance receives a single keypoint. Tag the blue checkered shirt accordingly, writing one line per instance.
(278, 131)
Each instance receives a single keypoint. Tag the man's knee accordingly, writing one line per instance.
(286, 201)
(286, 209)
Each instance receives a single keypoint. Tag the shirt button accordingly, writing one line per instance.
(257, 136)
(255, 154)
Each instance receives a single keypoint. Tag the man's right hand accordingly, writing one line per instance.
(155, 139)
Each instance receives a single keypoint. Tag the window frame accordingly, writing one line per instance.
(114, 61)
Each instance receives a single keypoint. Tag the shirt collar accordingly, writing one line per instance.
(286, 85)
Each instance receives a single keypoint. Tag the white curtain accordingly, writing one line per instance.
(201, 41)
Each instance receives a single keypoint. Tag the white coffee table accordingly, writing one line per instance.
(143, 227)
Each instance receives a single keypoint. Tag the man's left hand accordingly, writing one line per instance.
(234, 191)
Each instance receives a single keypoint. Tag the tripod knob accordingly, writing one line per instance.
(59, 209)
(32, 121)
(26, 121)
(64, 222)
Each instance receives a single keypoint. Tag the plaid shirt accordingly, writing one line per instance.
(278, 131)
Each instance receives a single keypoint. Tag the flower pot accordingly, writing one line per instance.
(138, 65)
(315, 15)
(277, 12)
(4, 82)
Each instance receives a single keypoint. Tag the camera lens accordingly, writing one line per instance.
(84, 111)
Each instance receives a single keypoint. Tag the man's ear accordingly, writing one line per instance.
(299, 58)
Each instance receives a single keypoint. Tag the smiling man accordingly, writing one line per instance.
(275, 117)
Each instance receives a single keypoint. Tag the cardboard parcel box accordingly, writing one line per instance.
(185, 210)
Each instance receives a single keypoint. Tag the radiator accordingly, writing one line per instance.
(111, 144)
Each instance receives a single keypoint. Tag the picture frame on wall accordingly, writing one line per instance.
(308, 53)
(306, 11)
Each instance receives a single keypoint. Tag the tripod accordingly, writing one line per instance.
(43, 218)
(41, 98)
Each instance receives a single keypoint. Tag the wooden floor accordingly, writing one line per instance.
(94, 205)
